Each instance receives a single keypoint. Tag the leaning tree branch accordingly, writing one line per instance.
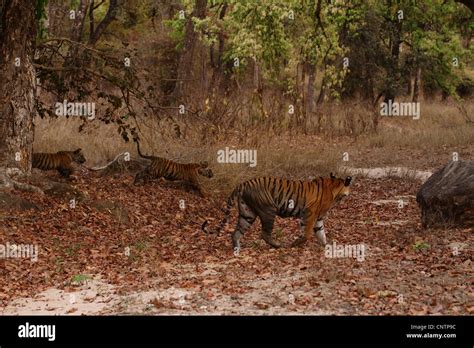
(109, 17)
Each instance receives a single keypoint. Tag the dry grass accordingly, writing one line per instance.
(278, 153)
(440, 124)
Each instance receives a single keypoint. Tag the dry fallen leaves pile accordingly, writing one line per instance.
(144, 241)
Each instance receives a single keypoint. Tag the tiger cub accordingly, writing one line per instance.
(61, 161)
(270, 197)
(169, 170)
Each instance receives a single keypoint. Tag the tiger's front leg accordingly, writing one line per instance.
(307, 227)
(65, 172)
(196, 185)
(201, 192)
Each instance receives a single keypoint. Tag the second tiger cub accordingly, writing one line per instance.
(173, 171)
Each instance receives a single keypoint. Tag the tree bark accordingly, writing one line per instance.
(311, 69)
(80, 17)
(17, 84)
(185, 66)
(393, 68)
(416, 85)
(58, 17)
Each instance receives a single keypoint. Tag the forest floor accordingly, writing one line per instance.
(132, 250)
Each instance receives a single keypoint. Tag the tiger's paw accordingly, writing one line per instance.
(299, 242)
(271, 242)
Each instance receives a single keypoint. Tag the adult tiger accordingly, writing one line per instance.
(173, 171)
(61, 161)
(270, 197)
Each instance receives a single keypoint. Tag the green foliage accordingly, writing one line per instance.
(177, 30)
(278, 35)
(258, 32)
(40, 15)
(420, 246)
(40, 12)
(80, 279)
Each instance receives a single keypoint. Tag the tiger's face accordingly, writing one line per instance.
(78, 157)
(339, 187)
(204, 170)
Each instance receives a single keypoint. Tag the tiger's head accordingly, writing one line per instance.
(204, 170)
(77, 156)
(339, 187)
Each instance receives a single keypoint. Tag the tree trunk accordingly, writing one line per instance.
(368, 93)
(17, 83)
(393, 68)
(58, 18)
(416, 85)
(322, 92)
(109, 17)
(80, 17)
(311, 69)
(185, 66)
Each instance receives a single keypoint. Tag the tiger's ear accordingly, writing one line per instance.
(78, 150)
(332, 176)
(348, 180)
(204, 164)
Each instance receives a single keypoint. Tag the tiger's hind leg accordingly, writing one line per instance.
(246, 218)
(319, 231)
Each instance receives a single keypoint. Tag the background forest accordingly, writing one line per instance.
(204, 71)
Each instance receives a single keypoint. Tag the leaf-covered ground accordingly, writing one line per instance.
(150, 256)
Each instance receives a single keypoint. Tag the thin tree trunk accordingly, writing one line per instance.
(80, 17)
(109, 17)
(216, 59)
(321, 93)
(393, 69)
(416, 85)
(17, 83)
(311, 69)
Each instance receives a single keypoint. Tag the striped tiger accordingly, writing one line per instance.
(269, 197)
(173, 171)
(61, 161)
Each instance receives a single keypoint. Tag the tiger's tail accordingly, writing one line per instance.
(227, 209)
(140, 153)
